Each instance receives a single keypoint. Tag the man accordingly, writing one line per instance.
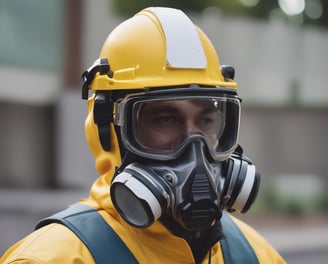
(163, 126)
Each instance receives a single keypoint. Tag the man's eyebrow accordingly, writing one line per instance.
(161, 108)
(208, 111)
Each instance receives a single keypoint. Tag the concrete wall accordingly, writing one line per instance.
(27, 146)
(286, 141)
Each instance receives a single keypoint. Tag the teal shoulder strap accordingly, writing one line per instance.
(235, 247)
(101, 240)
(104, 244)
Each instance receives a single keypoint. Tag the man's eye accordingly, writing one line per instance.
(206, 122)
(164, 120)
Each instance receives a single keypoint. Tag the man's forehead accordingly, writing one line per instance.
(180, 102)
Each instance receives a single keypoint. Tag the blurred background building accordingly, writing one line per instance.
(279, 51)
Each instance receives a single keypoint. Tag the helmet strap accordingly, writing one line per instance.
(103, 116)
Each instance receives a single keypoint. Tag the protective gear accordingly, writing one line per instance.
(55, 243)
(136, 52)
(192, 189)
(157, 47)
(173, 115)
(188, 188)
(170, 65)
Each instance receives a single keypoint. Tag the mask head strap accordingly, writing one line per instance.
(103, 116)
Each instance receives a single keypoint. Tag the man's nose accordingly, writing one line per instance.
(191, 126)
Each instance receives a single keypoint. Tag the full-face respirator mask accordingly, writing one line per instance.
(191, 190)
(187, 164)
(180, 128)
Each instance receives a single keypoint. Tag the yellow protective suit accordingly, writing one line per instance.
(54, 243)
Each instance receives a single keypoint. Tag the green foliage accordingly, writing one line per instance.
(274, 201)
(129, 8)
(322, 201)
(263, 9)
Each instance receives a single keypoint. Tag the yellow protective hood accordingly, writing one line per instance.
(105, 161)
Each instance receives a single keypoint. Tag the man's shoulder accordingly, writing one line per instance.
(53, 243)
(261, 246)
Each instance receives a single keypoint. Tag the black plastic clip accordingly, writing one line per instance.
(102, 66)
(228, 72)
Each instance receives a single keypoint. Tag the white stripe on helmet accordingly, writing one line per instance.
(183, 46)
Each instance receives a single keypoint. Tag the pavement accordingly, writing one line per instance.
(297, 241)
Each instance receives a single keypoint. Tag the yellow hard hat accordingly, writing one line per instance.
(157, 47)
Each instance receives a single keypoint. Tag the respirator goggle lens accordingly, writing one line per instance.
(161, 128)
